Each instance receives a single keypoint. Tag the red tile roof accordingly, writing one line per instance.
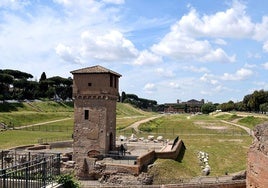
(95, 69)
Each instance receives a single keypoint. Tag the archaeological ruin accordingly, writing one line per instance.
(257, 171)
(95, 93)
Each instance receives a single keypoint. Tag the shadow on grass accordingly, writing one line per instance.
(181, 154)
(9, 107)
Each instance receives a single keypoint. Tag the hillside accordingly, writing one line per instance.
(26, 113)
(126, 109)
(122, 109)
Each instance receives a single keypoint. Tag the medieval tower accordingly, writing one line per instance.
(95, 92)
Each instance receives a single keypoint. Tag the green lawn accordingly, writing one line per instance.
(9, 139)
(226, 145)
(21, 118)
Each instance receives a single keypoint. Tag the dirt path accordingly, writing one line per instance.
(136, 124)
(248, 130)
(43, 123)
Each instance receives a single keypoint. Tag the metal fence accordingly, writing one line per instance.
(28, 170)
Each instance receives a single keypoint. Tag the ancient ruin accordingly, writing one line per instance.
(95, 92)
(257, 171)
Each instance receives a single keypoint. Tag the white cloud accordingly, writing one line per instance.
(114, 1)
(240, 74)
(232, 23)
(14, 4)
(265, 65)
(164, 72)
(220, 42)
(192, 68)
(178, 45)
(146, 58)
(265, 46)
(247, 65)
(261, 30)
(218, 55)
(110, 46)
(174, 85)
(149, 88)
(209, 78)
(66, 53)
(253, 55)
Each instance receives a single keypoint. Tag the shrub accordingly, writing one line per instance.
(68, 181)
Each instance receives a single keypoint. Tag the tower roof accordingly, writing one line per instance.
(95, 69)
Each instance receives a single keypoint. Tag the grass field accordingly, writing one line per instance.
(226, 145)
(21, 114)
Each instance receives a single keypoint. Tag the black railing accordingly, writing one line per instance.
(31, 170)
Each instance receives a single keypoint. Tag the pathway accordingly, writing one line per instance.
(248, 130)
(43, 123)
(136, 124)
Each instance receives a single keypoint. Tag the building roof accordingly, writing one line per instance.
(95, 69)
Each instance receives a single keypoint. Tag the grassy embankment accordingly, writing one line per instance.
(226, 145)
(22, 114)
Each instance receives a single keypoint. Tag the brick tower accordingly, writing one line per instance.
(95, 92)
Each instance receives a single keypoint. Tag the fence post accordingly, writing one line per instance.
(2, 160)
(26, 175)
(44, 172)
(4, 177)
(58, 164)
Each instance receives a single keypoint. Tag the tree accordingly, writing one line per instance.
(123, 96)
(5, 81)
(17, 74)
(43, 77)
(62, 86)
(264, 108)
(207, 108)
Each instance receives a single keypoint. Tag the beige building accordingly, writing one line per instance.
(95, 93)
(191, 106)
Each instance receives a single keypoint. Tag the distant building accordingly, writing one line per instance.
(191, 106)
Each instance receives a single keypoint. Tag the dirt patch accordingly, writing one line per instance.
(211, 125)
(215, 127)
(230, 140)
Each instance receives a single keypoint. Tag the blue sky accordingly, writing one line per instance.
(165, 50)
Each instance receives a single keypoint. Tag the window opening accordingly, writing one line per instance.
(86, 114)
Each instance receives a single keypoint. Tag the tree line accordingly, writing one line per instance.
(17, 85)
(255, 102)
(141, 103)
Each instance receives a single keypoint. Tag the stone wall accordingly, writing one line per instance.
(149, 158)
(146, 159)
(257, 167)
(174, 153)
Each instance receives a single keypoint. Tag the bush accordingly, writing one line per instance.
(68, 181)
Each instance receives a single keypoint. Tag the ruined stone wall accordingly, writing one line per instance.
(146, 159)
(257, 168)
(173, 154)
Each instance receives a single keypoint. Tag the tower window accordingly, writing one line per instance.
(89, 84)
(111, 80)
(115, 82)
(86, 114)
